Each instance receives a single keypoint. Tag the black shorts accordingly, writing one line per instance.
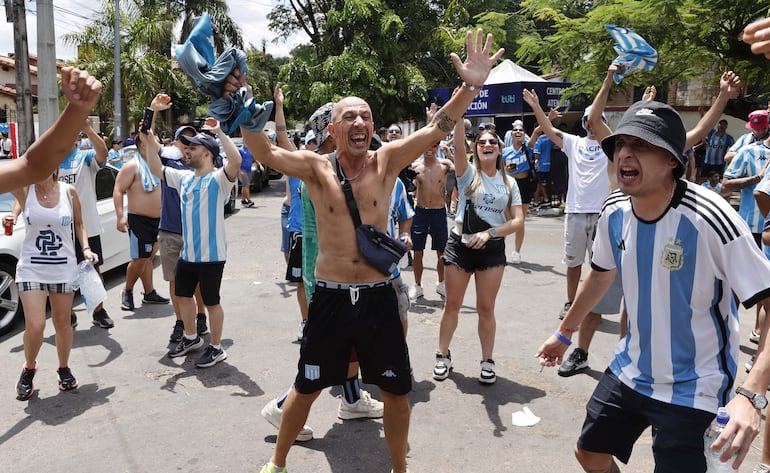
(294, 263)
(526, 189)
(470, 260)
(95, 244)
(208, 275)
(429, 222)
(371, 326)
(617, 415)
(142, 234)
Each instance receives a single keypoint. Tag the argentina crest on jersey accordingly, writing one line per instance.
(672, 257)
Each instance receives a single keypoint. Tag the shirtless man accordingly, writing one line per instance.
(143, 190)
(366, 299)
(430, 215)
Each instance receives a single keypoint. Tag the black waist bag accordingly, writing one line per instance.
(472, 223)
(379, 249)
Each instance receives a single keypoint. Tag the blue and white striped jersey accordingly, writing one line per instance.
(716, 147)
(749, 162)
(679, 274)
(203, 215)
(744, 140)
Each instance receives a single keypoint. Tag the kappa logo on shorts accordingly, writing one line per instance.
(389, 374)
(312, 372)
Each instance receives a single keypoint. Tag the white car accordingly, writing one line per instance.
(114, 246)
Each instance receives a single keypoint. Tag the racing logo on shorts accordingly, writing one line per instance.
(673, 256)
(312, 372)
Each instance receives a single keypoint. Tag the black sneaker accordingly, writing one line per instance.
(576, 362)
(73, 320)
(200, 324)
(25, 387)
(249, 204)
(126, 300)
(101, 319)
(185, 346)
(66, 380)
(211, 357)
(178, 333)
(154, 298)
(564, 310)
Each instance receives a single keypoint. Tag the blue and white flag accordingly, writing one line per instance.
(634, 53)
(196, 59)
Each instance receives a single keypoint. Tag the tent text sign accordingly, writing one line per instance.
(506, 99)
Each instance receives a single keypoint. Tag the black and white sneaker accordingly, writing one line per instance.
(126, 300)
(185, 346)
(576, 362)
(66, 380)
(25, 387)
(73, 320)
(487, 375)
(154, 298)
(564, 310)
(102, 319)
(211, 357)
(443, 366)
(178, 333)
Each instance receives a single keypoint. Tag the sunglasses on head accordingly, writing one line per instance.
(490, 141)
(394, 132)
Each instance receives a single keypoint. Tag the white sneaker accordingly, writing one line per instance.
(443, 366)
(301, 330)
(487, 375)
(441, 289)
(366, 407)
(515, 257)
(415, 292)
(272, 413)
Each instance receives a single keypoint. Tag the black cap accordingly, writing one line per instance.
(654, 122)
(208, 141)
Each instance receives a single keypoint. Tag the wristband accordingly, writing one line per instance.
(562, 338)
(472, 88)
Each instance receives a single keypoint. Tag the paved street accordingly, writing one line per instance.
(137, 410)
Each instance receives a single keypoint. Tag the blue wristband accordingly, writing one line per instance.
(562, 338)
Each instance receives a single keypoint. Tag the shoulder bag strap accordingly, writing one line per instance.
(347, 189)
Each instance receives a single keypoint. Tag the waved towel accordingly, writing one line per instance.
(149, 180)
(196, 56)
(634, 53)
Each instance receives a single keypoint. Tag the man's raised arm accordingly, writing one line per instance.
(44, 156)
(729, 86)
(473, 72)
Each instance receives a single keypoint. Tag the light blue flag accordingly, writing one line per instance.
(196, 58)
(634, 53)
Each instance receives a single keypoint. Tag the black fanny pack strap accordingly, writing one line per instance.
(348, 190)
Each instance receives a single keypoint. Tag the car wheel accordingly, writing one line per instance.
(10, 306)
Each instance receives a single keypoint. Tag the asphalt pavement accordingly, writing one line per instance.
(137, 410)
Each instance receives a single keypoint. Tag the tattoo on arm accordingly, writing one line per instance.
(443, 122)
(280, 128)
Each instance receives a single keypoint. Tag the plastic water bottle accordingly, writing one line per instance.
(404, 261)
(713, 464)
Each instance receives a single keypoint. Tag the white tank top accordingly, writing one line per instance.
(48, 251)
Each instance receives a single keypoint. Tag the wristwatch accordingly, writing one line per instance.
(492, 232)
(759, 400)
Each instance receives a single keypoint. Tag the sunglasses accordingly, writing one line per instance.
(518, 130)
(394, 132)
(488, 142)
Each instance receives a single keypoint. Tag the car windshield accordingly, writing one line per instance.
(6, 202)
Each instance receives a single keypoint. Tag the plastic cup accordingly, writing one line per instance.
(8, 225)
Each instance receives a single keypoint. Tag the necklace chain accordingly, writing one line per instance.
(346, 178)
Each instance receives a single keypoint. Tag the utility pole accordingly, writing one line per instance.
(118, 118)
(47, 93)
(24, 119)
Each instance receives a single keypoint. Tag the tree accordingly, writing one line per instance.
(570, 37)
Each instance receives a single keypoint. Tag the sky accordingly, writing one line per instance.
(71, 15)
